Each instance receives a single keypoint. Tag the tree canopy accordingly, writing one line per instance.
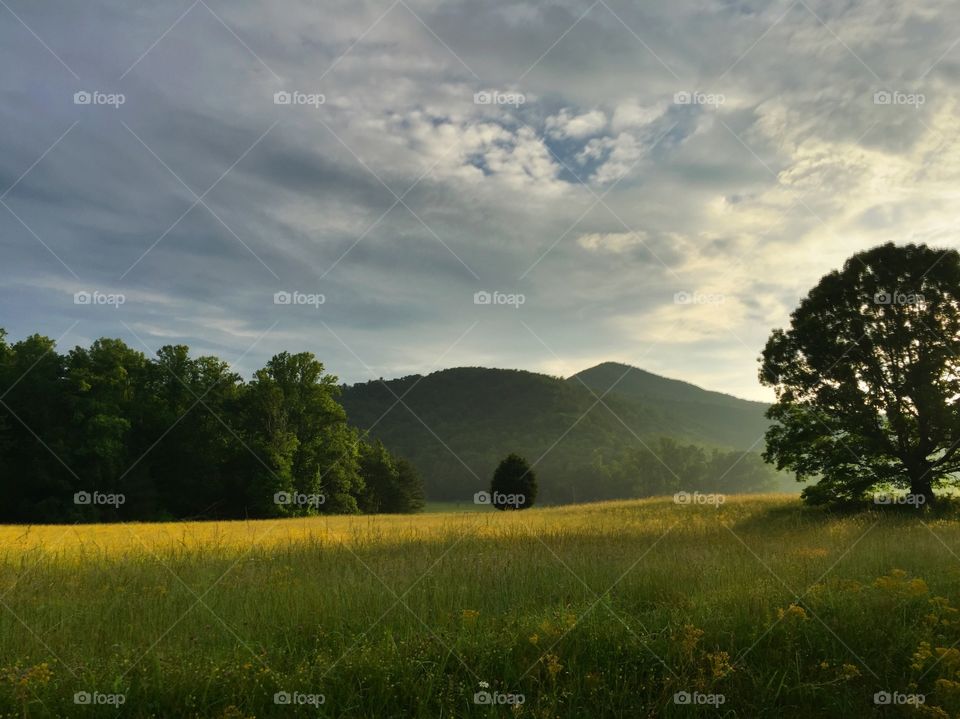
(104, 432)
(514, 484)
(866, 377)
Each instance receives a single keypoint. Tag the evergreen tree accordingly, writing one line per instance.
(514, 484)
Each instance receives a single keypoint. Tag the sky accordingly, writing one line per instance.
(404, 186)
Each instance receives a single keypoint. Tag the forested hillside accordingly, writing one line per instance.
(713, 417)
(456, 424)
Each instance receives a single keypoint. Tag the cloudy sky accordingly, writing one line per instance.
(653, 183)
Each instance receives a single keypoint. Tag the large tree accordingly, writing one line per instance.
(191, 449)
(36, 479)
(307, 447)
(867, 377)
(103, 385)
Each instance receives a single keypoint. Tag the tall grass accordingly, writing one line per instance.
(760, 607)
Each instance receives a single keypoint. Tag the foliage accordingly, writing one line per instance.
(178, 437)
(392, 485)
(514, 484)
(867, 377)
(667, 466)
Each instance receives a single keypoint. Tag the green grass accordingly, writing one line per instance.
(603, 610)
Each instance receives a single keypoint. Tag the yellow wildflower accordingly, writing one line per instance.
(921, 656)
(553, 665)
(947, 687)
(689, 637)
(949, 656)
(719, 664)
(849, 671)
(792, 612)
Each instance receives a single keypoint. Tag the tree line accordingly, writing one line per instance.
(106, 433)
(665, 466)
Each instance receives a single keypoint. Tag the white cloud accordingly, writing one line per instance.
(567, 125)
(613, 242)
(632, 114)
(617, 156)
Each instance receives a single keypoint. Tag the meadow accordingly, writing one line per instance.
(759, 607)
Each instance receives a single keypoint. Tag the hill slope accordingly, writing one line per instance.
(456, 424)
(713, 417)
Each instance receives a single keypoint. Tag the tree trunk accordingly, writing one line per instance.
(920, 486)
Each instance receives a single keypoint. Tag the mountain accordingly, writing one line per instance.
(713, 417)
(455, 425)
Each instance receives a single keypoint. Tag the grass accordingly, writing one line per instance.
(443, 507)
(602, 610)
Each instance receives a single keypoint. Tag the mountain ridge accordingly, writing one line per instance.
(454, 424)
(634, 370)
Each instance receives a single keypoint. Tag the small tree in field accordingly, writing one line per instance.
(867, 377)
(514, 484)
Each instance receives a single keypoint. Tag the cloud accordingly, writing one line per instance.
(632, 114)
(613, 242)
(398, 197)
(615, 156)
(567, 125)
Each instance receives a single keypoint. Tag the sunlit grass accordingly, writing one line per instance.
(596, 610)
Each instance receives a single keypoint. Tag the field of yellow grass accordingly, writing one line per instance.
(756, 608)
